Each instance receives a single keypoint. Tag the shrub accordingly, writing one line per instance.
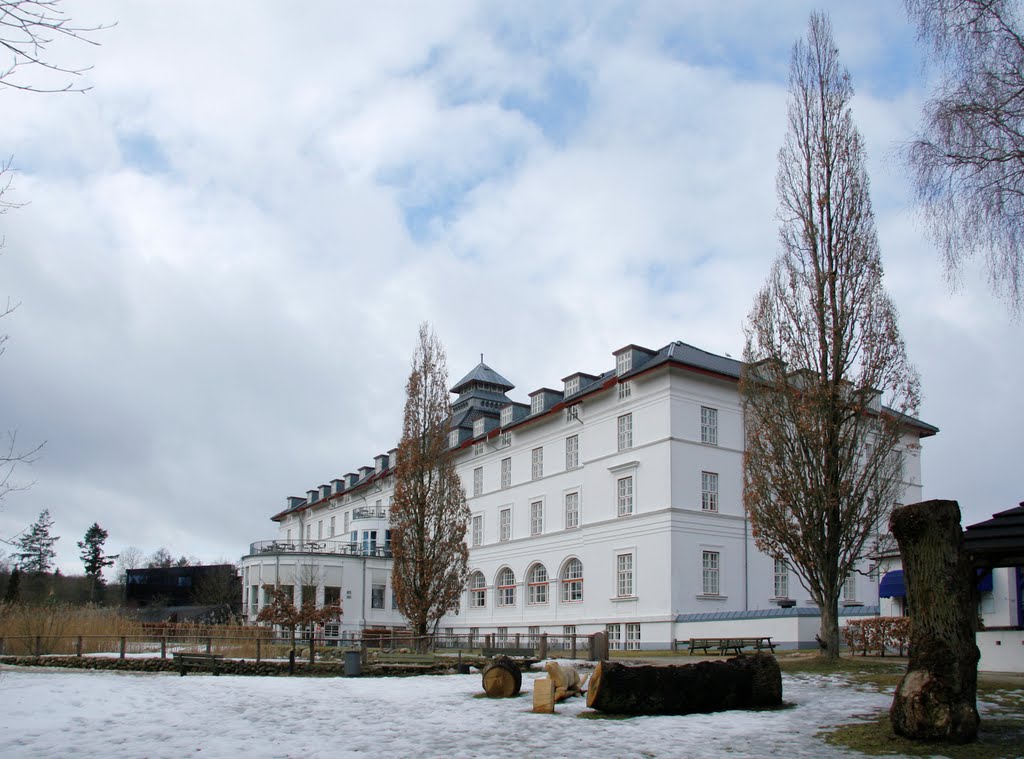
(878, 634)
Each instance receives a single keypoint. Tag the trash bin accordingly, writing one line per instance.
(353, 663)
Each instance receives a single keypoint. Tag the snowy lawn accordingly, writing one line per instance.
(53, 713)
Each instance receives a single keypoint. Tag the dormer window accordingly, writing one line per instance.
(506, 416)
(623, 362)
(537, 403)
(572, 386)
(478, 427)
(453, 438)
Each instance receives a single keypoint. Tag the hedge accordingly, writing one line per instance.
(878, 634)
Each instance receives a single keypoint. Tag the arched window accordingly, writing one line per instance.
(477, 591)
(537, 584)
(506, 587)
(572, 581)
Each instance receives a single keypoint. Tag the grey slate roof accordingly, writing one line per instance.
(795, 611)
(482, 373)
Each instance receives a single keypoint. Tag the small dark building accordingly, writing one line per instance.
(216, 584)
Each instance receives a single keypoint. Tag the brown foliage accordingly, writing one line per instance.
(823, 349)
(429, 515)
(282, 611)
(878, 634)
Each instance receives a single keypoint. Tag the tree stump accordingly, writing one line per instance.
(743, 682)
(502, 678)
(937, 698)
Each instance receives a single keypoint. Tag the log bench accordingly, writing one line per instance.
(724, 646)
(398, 658)
(187, 661)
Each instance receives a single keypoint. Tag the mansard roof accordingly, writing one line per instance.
(482, 373)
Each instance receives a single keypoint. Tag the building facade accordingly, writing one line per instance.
(612, 502)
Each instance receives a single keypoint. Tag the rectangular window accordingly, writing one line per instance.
(536, 517)
(505, 524)
(572, 386)
(572, 414)
(320, 530)
(453, 438)
(625, 390)
(502, 635)
(537, 463)
(506, 472)
(506, 439)
(625, 496)
(478, 480)
(477, 591)
(478, 449)
(344, 521)
(633, 637)
(624, 575)
(394, 600)
(332, 595)
(478, 427)
(623, 362)
(572, 510)
(614, 633)
(537, 403)
(572, 451)
(625, 432)
(708, 425)
(478, 530)
(850, 588)
(332, 526)
(710, 585)
(377, 597)
(309, 532)
(708, 491)
(533, 633)
(781, 579)
(506, 416)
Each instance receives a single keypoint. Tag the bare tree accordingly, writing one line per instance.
(282, 611)
(967, 161)
(823, 348)
(27, 29)
(129, 557)
(429, 514)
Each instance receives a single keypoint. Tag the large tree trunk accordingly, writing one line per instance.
(742, 682)
(828, 636)
(937, 698)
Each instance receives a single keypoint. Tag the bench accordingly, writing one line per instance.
(521, 653)
(724, 645)
(198, 661)
(417, 659)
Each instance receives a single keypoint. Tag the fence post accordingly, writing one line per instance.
(312, 647)
(543, 653)
(517, 640)
(78, 646)
(124, 645)
(258, 651)
(209, 644)
(675, 645)
(163, 646)
(573, 646)
(39, 645)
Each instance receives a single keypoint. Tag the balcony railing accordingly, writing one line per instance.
(369, 512)
(331, 547)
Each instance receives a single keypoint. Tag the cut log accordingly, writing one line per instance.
(743, 682)
(543, 696)
(937, 698)
(502, 678)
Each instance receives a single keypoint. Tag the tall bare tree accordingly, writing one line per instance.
(430, 513)
(823, 348)
(968, 159)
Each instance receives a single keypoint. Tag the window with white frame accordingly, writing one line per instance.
(781, 579)
(506, 415)
(572, 581)
(572, 510)
(320, 530)
(502, 635)
(625, 432)
(537, 463)
(505, 524)
(709, 491)
(478, 426)
(537, 584)
(623, 362)
(536, 517)
(572, 413)
(506, 587)
(625, 496)
(505, 440)
(453, 438)
(710, 580)
(377, 596)
(625, 390)
(478, 449)
(478, 480)
(478, 529)
(332, 526)
(572, 385)
(614, 633)
(309, 532)
(533, 634)
(709, 425)
(624, 575)
(537, 403)
(568, 630)
(506, 472)
(633, 636)
(477, 591)
(850, 587)
(572, 451)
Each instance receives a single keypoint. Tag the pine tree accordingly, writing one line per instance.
(36, 553)
(93, 557)
(430, 514)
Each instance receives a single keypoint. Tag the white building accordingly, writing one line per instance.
(611, 503)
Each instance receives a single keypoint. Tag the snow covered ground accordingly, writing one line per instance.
(53, 713)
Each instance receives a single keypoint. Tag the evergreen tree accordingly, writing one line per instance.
(13, 593)
(35, 553)
(93, 557)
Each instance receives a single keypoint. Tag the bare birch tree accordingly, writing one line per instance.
(823, 349)
(430, 514)
(967, 160)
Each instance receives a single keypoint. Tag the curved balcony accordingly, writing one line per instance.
(330, 547)
(369, 512)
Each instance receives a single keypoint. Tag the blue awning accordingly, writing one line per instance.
(892, 585)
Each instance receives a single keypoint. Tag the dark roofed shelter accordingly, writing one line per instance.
(999, 541)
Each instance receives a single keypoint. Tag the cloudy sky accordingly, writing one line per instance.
(230, 239)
